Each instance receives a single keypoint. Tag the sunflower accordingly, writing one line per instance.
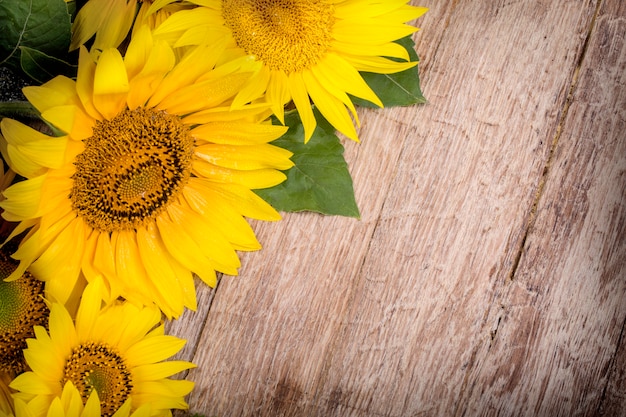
(311, 50)
(118, 351)
(22, 306)
(153, 179)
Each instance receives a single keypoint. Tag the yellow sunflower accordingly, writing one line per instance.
(311, 50)
(153, 179)
(118, 351)
(22, 306)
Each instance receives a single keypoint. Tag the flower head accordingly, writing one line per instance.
(22, 306)
(153, 179)
(116, 351)
(310, 49)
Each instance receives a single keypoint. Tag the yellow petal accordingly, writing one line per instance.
(238, 133)
(378, 64)
(342, 76)
(251, 179)
(110, 76)
(301, 100)
(192, 66)
(23, 199)
(186, 251)
(136, 283)
(110, 84)
(278, 93)
(84, 82)
(331, 108)
(143, 86)
(224, 219)
(89, 308)
(212, 245)
(253, 89)
(205, 94)
(160, 370)
(138, 51)
(57, 92)
(390, 49)
(247, 202)
(30, 151)
(32, 384)
(245, 157)
(154, 258)
(60, 263)
(370, 31)
(153, 349)
(116, 25)
(253, 113)
(88, 20)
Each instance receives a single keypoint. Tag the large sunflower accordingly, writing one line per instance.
(118, 351)
(309, 48)
(152, 180)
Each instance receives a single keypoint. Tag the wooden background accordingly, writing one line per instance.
(487, 275)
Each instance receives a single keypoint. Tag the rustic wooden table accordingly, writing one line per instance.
(487, 275)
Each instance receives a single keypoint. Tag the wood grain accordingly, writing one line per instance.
(562, 317)
(487, 273)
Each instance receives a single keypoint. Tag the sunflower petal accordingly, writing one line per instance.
(110, 83)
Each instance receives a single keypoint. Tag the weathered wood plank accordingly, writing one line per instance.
(559, 347)
(457, 211)
(388, 315)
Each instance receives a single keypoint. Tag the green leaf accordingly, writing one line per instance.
(41, 25)
(398, 89)
(18, 109)
(42, 67)
(320, 180)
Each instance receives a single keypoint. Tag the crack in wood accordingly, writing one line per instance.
(555, 141)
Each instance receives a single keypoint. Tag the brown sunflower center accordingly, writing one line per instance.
(96, 366)
(22, 306)
(132, 166)
(287, 35)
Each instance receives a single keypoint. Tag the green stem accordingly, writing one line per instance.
(17, 109)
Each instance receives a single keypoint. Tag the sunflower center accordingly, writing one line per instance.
(22, 306)
(96, 366)
(132, 166)
(287, 35)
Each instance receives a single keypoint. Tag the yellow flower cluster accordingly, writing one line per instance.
(144, 178)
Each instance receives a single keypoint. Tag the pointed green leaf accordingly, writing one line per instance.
(42, 67)
(320, 180)
(398, 89)
(43, 25)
